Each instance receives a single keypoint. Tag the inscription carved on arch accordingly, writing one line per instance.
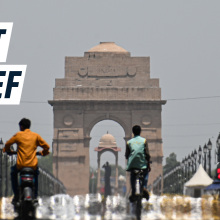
(107, 71)
(68, 133)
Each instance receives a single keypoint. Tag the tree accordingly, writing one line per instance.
(46, 163)
(93, 181)
(171, 163)
(121, 171)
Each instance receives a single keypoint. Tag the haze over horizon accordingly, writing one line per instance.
(181, 38)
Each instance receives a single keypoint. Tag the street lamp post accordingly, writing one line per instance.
(180, 178)
(183, 176)
(218, 148)
(6, 175)
(195, 157)
(200, 154)
(192, 160)
(186, 170)
(209, 145)
(182, 166)
(205, 149)
(177, 179)
(1, 147)
(189, 163)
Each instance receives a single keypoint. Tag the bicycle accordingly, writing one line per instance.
(137, 200)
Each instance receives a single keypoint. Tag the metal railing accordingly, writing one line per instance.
(47, 184)
(173, 181)
(157, 185)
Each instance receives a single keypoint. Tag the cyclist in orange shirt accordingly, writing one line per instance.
(27, 143)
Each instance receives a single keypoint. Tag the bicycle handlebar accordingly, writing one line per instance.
(15, 153)
(11, 153)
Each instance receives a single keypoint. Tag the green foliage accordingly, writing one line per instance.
(171, 163)
(121, 171)
(93, 181)
(46, 163)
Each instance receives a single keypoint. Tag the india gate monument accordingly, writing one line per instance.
(107, 83)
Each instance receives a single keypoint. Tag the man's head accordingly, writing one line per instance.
(24, 124)
(136, 130)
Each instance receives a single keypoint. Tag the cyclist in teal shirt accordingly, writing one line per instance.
(138, 157)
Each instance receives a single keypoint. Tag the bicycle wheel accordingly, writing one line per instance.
(138, 207)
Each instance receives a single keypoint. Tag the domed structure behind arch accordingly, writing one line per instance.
(100, 129)
(107, 140)
(108, 143)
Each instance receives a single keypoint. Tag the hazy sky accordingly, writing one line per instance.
(181, 38)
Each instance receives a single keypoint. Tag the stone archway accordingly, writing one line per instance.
(107, 83)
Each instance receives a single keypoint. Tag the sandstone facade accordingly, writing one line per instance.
(107, 83)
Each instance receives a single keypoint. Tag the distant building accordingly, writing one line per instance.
(196, 185)
(108, 144)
